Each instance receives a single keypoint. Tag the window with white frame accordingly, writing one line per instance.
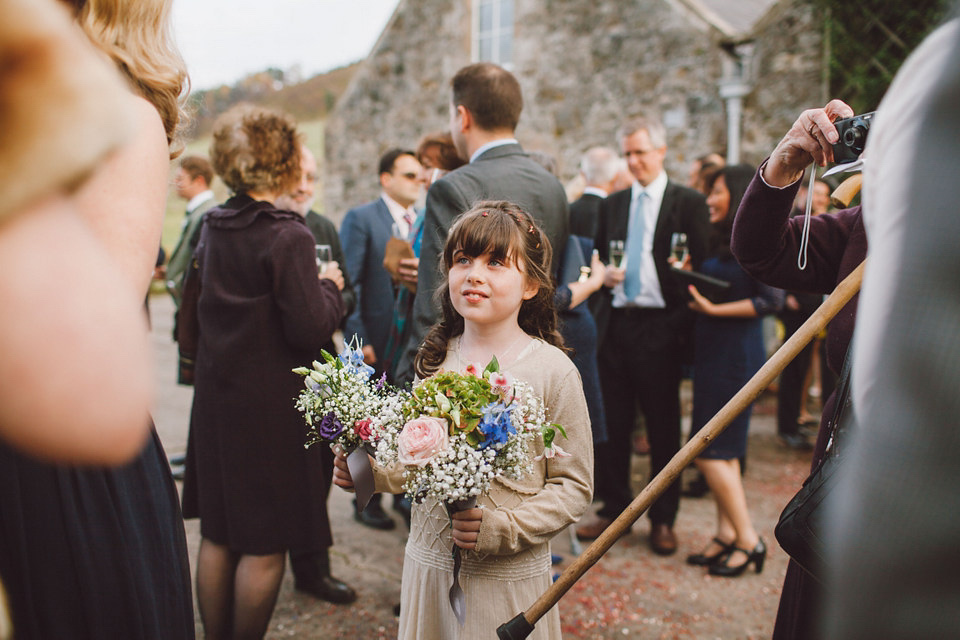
(493, 31)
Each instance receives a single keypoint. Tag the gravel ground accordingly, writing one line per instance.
(629, 593)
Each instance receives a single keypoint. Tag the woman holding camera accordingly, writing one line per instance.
(766, 241)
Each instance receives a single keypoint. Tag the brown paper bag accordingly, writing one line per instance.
(398, 249)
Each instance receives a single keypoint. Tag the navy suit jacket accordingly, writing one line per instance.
(364, 234)
(682, 210)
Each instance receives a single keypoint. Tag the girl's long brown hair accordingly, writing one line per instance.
(508, 233)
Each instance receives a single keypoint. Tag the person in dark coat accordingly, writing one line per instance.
(254, 308)
(599, 167)
(766, 242)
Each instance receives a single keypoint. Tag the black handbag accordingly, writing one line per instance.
(800, 530)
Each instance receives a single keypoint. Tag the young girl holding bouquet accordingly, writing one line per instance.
(497, 301)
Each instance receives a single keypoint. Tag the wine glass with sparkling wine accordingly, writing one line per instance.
(323, 257)
(616, 253)
(678, 248)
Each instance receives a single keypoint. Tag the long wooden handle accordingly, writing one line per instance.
(754, 387)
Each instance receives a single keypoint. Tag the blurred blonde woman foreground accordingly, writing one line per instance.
(94, 552)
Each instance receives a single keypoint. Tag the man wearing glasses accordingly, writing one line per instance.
(643, 324)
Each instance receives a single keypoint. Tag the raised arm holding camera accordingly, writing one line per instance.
(767, 241)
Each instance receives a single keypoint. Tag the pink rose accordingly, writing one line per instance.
(362, 429)
(472, 370)
(420, 440)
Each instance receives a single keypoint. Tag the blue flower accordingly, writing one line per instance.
(495, 425)
(329, 427)
(352, 359)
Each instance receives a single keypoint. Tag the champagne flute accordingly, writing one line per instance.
(323, 257)
(616, 253)
(678, 247)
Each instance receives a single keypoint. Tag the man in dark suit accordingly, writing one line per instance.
(599, 167)
(644, 324)
(364, 234)
(311, 569)
(485, 108)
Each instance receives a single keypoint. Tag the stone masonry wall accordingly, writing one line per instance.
(584, 66)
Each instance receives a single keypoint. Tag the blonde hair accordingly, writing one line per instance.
(136, 35)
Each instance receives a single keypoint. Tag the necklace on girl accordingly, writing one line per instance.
(501, 359)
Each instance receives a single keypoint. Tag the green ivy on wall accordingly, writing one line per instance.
(868, 40)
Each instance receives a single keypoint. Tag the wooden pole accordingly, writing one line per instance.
(522, 625)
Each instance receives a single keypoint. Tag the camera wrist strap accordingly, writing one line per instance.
(805, 236)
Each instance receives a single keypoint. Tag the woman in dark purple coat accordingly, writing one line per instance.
(766, 242)
(254, 308)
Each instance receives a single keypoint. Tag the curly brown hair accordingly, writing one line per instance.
(508, 233)
(256, 150)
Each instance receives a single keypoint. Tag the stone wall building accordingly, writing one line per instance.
(584, 65)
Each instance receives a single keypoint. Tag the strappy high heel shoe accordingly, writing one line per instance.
(755, 557)
(703, 560)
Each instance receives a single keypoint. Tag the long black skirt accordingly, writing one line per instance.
(94, 552)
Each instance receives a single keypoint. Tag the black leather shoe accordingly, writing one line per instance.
(373, 516)
(330, 589)
(703, 560)
(755, 557)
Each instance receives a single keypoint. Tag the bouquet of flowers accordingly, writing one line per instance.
(463, 430)
(343, 406)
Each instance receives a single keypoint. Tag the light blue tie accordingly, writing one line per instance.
(631, 283)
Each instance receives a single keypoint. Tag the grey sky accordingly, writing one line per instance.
(224, 40)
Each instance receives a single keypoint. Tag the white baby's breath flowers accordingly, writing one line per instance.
(461, 470)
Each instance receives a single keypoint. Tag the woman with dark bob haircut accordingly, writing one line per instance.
(254, 308)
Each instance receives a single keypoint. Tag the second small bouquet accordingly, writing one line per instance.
(462, 430)
(343, 406)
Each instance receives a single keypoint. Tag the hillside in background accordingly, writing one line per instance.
(309, 101)
(306, 100)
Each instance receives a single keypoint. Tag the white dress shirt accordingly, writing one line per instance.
(650, 294)
(397, 211)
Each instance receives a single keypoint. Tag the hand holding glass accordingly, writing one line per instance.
(678, 248)
(616, 253)
(323, 257)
